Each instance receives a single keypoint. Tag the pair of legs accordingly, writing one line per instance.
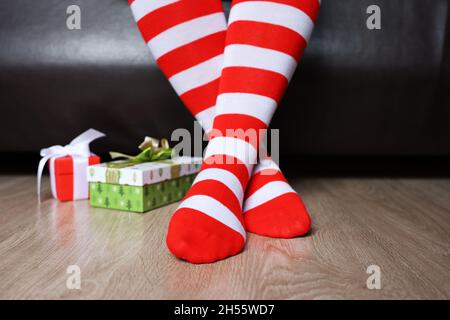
(230, 77)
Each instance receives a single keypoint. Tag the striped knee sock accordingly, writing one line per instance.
(187, 40)
(267, 39)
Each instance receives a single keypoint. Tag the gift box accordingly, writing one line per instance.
(68, 177)
(68, 167)
(141, 187)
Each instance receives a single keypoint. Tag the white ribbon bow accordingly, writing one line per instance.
(77, 147)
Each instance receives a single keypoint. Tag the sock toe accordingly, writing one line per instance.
(197, 238)
(283, 217)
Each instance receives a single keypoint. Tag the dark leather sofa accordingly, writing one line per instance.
(357, 92)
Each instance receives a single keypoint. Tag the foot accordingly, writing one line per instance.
(209, 225)
(272, 208)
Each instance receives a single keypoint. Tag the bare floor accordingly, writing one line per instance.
(401, 225)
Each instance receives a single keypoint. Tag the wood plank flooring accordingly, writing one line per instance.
(401, 225)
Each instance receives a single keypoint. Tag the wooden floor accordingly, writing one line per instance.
(401, 225)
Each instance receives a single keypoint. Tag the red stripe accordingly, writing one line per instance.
(192, 54)
(201, 98)
(174, 14)
(94, 160)
(246, 128)
(266, 35)
(231, 164)
(130, 2)
(289, 208)
(310, 7)
(263, 177)
(63, 169)
(219, 191)
(251, 80)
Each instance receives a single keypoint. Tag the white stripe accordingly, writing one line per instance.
(242, 55)
(186, 32)
(274, 13)
(53, 177)
(141, 8)
(266, 193)
(254, 105)
(216, 210)
(264, 165)
(80, 183)
(197, 75)
(225, 177)
(233, 147)
(206, 118)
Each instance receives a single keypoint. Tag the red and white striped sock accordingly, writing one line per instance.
(271, 207)
(187, 40)
(261, 35)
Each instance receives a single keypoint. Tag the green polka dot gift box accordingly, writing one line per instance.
(141, 187)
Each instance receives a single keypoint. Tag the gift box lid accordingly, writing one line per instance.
(143, 173)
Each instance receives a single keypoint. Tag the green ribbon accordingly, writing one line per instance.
(152, 150)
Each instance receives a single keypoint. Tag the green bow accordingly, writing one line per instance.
(152, 150)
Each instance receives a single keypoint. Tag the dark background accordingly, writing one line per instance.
(372, 99)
